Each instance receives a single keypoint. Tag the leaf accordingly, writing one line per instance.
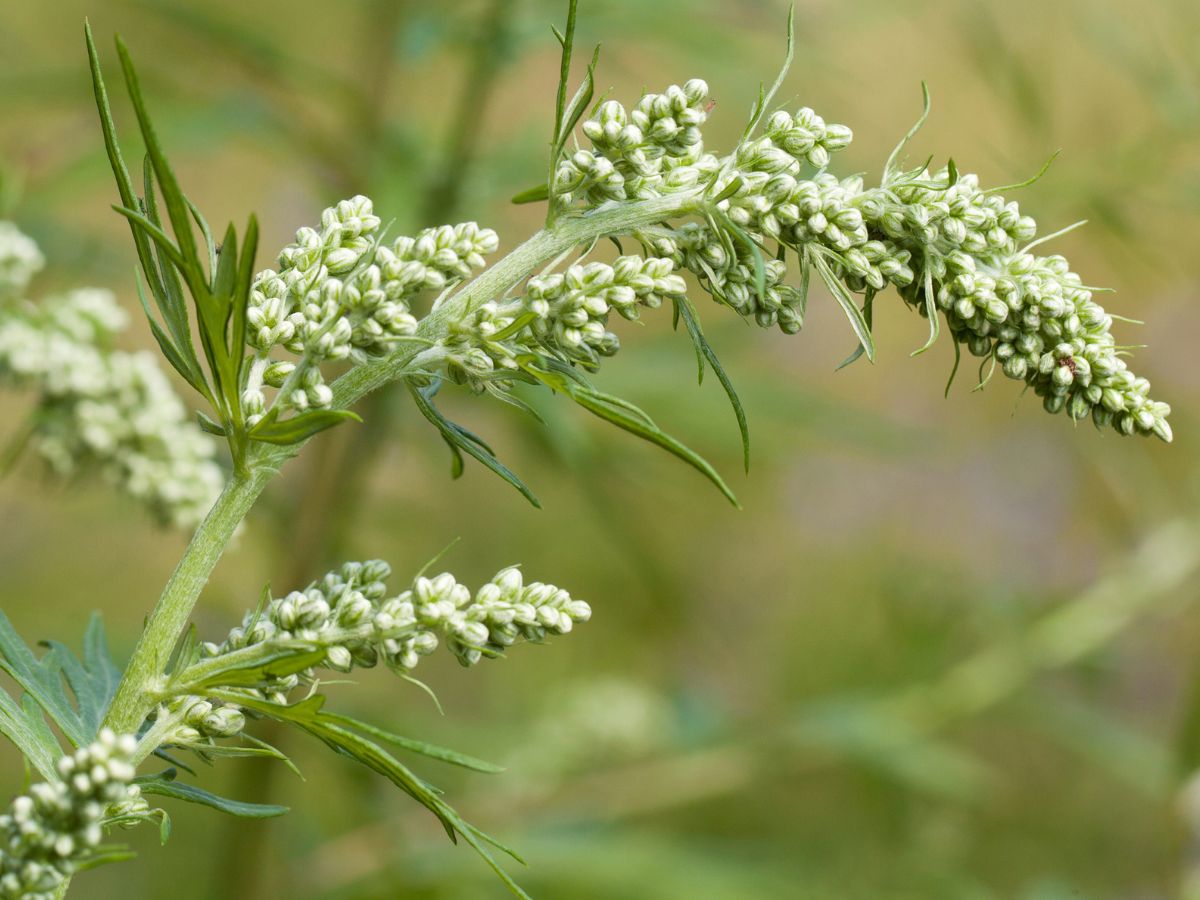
(1028, 181)
(862, 330)
(102, 856)
(241, 298)
(954, 368)
(756, 254)
(273, 752)
(128, 820)
(578, 106)
(460, 441)
(42, 679)
(208, 425)
(889, 168)
(867, 307)
(124, 183)
(735, 185)
(25, 725)
(225, 274)
(329, 728)
(931, 313)
(559, 377)
(705, 353)
(206, 233)
(171, 303)
(249, 666)
(432, 751)
(164, 784)
(764, 99)
(178, 211)
(567, 41)
(534, 194)
(299, 428)
(190, 372)
(94, 679)
(155, 233)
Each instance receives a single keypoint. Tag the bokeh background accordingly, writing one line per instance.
(949, 646)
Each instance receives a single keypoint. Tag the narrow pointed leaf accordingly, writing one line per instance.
(462, 441)
(567, 41)
(432, 751)
(765, 98)
(301, 427)
(535, 194)
(705, 351)
(840, 293)
(931, 313)
(94, 678)
(889, 168)
(189, 793)
(177, 206)
(622, 414)
(868, 304)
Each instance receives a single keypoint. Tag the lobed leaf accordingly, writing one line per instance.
(25, 725)
(42, 679)
(94, 679)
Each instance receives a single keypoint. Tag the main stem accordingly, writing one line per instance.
(135, 695)
(131, 705)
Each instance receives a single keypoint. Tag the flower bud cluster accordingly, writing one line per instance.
(568, 316)
(1031, 314)
(925, 233)
(202, 721)
(806, 136)
(340, 294)
(51, 831)
(107, 408)
(348, 616)
(727, 270)
(20, 260)
(653, 149)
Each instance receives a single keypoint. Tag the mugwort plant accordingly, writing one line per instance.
(279, 355)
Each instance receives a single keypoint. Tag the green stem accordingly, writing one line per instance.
(134, 699)
(144, 676)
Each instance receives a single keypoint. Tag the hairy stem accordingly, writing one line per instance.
(134, 699)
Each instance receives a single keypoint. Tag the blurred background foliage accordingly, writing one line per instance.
(948, 648)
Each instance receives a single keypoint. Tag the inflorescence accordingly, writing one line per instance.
(99, 405)
(56, 828)
(341, 294)
(948, 246)
(349, 618)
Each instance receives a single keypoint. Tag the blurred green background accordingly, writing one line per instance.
(948, 647)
